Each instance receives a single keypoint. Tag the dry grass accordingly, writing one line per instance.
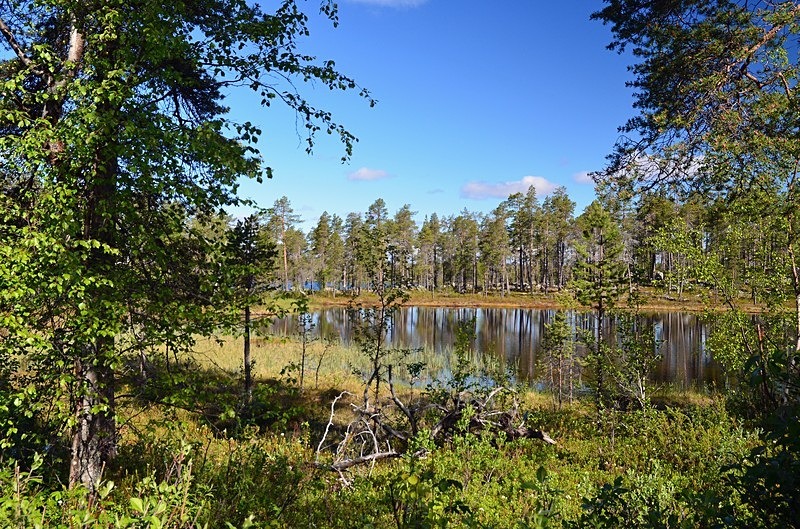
(327, 365)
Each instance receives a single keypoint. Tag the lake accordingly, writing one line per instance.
(514, 337)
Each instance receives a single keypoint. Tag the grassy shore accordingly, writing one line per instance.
(627, 465)
(648, 300)
(189, 458)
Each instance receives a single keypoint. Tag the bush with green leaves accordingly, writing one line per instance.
(26, 502)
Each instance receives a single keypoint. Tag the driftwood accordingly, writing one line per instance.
(486, 418)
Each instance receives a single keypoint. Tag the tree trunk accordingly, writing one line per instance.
(94, 442)
(94, 434)
(791, 363)
(248, 371)
(599, 356)
(435, 271)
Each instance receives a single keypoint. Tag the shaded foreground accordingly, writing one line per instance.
(190, 456)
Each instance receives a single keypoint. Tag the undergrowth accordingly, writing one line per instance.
(176, 468)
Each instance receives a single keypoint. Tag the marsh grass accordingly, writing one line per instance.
(668, 458)
(650, 299)
(278, 357)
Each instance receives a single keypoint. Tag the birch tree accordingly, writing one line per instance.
(113, 135)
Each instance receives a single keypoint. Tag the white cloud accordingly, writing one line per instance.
(481, 190)
(391, 3)
(584, 177)
(365, 173)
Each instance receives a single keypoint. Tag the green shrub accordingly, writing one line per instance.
(26, 503)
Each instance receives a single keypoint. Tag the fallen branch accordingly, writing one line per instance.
(330, 421)
(344, 464)
(383, 430)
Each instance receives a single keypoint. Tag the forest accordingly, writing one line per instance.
(140, 386)
(522, 246)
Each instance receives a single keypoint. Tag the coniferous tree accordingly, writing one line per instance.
(654, 212)
(353, 268)
(598, 277)
(336, 253)
(524, 219)
(429, 241)
(464, 231)
(402, 234)
(717, 116)
(557, 225)
(282, 220)
(374, 243)
(559, 357)
(327, 250)
(250, 263)
(493, 245)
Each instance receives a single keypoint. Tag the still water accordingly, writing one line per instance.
(513, 336)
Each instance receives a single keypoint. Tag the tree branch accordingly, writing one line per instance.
(411, 418)
(12, 41)
(344, 464)
(769, 35)
(330, 421)
(77, 43)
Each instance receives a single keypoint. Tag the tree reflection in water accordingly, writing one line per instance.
(514, 336)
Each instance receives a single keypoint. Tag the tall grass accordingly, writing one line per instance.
(335, 364)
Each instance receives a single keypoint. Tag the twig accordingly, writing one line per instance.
(403, 408)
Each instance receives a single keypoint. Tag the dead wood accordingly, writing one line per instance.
(383, 430)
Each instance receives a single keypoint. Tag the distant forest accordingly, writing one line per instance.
(525, 244)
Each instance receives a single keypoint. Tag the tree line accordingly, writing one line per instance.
(524, 244)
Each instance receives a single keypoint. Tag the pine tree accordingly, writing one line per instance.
(598, 278)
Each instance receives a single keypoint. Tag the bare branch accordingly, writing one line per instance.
(368, 458)
(786, 87)
(403, 408)
(769, 35)
(330, 421)
(12, 41)
(77, 44)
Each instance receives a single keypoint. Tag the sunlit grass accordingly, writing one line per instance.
(332, 365)
(326, 363)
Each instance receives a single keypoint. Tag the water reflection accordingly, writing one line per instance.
(514, 337)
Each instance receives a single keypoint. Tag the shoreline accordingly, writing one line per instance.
(650, 303)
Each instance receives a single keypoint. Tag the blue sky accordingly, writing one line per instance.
(476, 100)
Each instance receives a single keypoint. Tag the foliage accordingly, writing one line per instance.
(418, 498)
(717, 119)
(114, 139)
(673, 463)
(635, 357)
(716, 107)
(713, 89)
(767, 479)
(24, 502)
(560, 357)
